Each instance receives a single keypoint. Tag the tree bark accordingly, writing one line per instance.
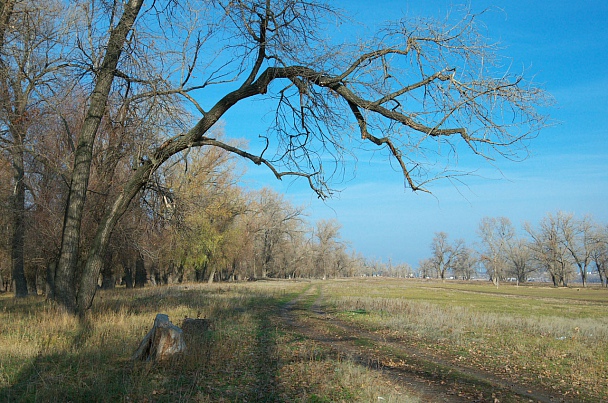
(211, 276)
(18, 200)
(18, 212)
(127, 278)
(50, 279)
(18, 217)
(140, 272)
(65, 291)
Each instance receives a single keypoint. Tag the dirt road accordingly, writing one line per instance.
(421, 373)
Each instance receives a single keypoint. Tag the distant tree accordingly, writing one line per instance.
(496, 234)
(275, 225)
(426, 268)
(445, 254)
(402, 270)
(465, 265)
(578, 238)
(520, 259)
(549, 250)
(600, 252)
(329, 250)
(198, 229)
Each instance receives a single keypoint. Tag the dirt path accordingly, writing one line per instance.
(420, 373)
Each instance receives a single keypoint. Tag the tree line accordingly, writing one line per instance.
(101, 101)
(561, 246)
(193, 223)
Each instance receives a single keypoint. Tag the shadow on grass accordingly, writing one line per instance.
(267, 367)
(69, 377)
(234, 361)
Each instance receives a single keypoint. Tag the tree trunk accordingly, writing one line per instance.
(127, 278)
(50, 279)
(65, 291)
(140, 272)
(200, 272)
(107, 279)
(31, 279)
(211, 276)
(18, 212)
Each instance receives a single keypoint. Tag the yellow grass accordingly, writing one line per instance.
(48, 355)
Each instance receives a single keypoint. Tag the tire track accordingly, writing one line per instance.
(421, 373)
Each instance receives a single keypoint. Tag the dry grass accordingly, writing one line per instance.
(553, 337)
(548, 337)
(49, 356)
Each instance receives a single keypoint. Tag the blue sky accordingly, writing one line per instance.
(563, 45)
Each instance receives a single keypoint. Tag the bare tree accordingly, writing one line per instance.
(600, 253)
(413, 89)
(402, 270)
(445, 255)
(328, 248)
(578, 238)
(549, 250)
(275, 224)
(520, 258)
(496, 234)
(464, 266)
(425, 268)
(31, 34)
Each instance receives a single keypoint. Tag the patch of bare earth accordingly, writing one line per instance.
(420, 373)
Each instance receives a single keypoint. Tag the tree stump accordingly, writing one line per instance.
(162, 341)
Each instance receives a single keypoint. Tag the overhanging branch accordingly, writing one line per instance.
(258, 160)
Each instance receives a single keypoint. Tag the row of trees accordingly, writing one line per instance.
(98, 98)
(561, 246)
(192, 223)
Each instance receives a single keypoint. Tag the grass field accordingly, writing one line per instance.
(272, 341)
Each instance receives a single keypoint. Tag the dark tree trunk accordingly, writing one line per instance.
(50, 279)
(140, 272)
(128, 276)
(107, 274)
(107, 279)
(32, 280)
(18, 212)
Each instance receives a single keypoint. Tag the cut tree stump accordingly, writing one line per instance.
(162, 341)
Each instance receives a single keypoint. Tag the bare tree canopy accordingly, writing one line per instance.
(422, 90)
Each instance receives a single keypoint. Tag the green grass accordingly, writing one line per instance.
(551, 337)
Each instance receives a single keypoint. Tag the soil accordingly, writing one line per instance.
(423, 373)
